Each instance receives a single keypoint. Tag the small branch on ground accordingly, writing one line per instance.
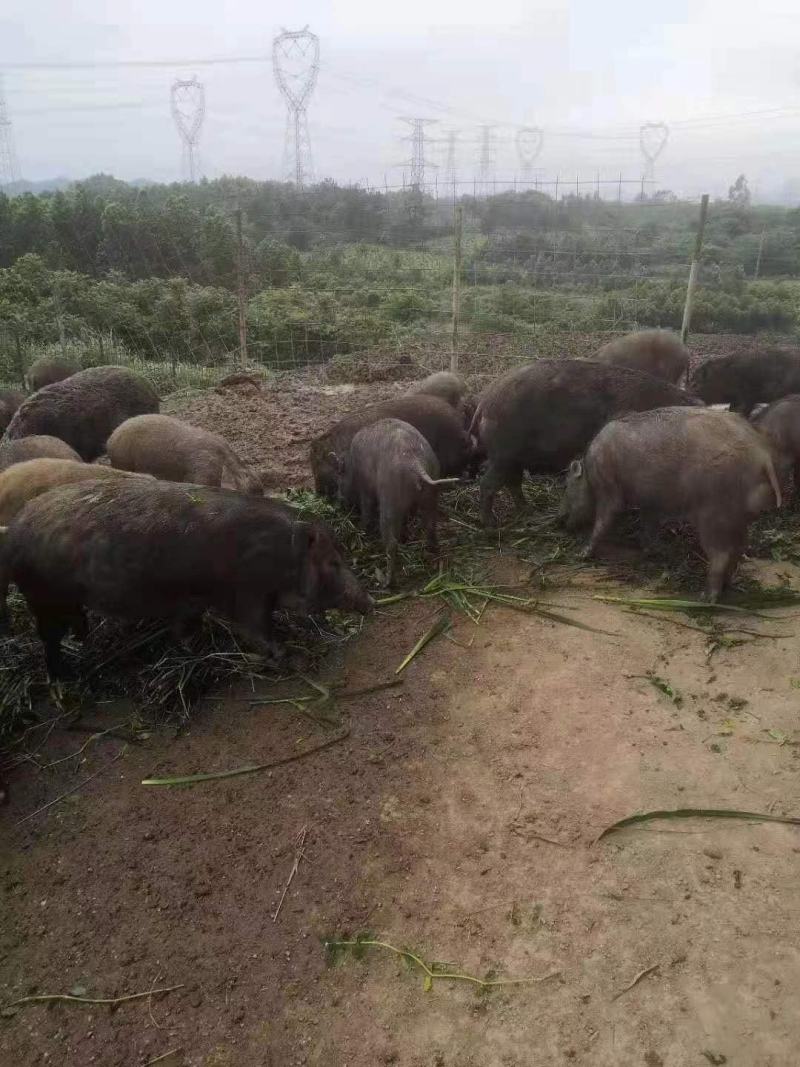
(637, 979)
(48, 998)
(299, 853)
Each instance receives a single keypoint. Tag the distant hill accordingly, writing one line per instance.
(56, 185)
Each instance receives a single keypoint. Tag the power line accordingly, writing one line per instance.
(103, 64)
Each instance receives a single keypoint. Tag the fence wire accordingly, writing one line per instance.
(157, 280)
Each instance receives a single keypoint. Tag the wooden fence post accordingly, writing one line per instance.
(240, 289)
(757, 271)
(698, 246)
(458, 223)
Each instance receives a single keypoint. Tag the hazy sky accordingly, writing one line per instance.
(588, 72)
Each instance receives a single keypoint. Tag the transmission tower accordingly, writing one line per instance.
(295, 62)
(486, 162)
(9, 168)
(529, 142)
(653, 137)
(418, 161)
(450, 167)
(188, 103)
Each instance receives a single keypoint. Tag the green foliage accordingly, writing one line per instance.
(330, 270)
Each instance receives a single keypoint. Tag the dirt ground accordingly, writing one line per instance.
(457, 818)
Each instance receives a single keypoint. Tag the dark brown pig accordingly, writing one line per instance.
(745, 379)
(708, 468)
(177, 452)
(656, 352)
(435, 420)
(46, 371)
(541, 416)
(779, 423)
(10, 400)
(84, 410)
(143, 549)
(38, 446)
(392, 470)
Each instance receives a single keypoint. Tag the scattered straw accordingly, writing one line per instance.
(74, 789)
(299, 852)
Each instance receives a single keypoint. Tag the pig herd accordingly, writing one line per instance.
(177, 524)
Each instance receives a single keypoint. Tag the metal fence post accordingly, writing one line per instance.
(458, 223)
(698, 246)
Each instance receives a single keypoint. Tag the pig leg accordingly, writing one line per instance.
(367, 509)
(494, 479)
(51, 627)
(253, 618)
(606, 511)
(79, 624)
(429, 515)
(722, 548)
(517, 495)
(391, 528)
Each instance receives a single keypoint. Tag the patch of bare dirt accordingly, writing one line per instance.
(458, 817)
(272, 429)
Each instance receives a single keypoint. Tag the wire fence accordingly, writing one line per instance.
(538, 265)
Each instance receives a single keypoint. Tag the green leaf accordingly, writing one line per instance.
(427, 985)
(78, 991)
(439, 627)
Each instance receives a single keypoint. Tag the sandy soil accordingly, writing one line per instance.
(458, 818)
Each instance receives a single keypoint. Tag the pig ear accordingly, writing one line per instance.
(338, 461)
(576, 468)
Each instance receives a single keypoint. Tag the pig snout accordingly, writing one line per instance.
(329, 581)
(350, 594)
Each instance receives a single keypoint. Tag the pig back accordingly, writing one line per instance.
(677, 461)
(545, 414)
(139, 548)
(84, 409)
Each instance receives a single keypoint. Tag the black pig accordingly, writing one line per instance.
(147, 549)
(84, 409)
(745, 379)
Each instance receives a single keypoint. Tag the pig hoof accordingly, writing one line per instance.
(57, 693)
(587, 552)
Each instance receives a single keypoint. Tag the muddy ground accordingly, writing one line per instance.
(455, 815)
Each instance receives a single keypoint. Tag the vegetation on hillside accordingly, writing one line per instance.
(332, 269)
